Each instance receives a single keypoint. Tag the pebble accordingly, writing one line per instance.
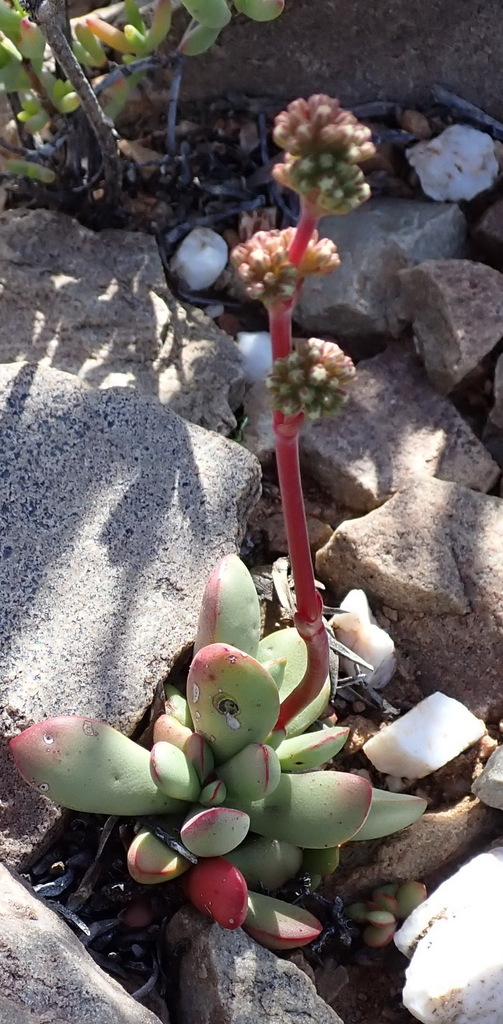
(357, 628)
(255, 348)
(454, 940)
(200, 259)
(425, 738)
(458, 164)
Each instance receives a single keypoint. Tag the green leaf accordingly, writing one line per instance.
(390, 812)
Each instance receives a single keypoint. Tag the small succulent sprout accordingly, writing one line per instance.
(31, 40)
(358, 912)
(168, 729)
(286, 643)
(111, 36)
(86, 765)
(150, 861)
(10, 47)
(384, 901)
(30, 170)
(91, 52)
(64, 97)
(313, 379)
(200, 755)
(173, 772)
(230, 610)
(177, 706)
(160, 24)
(266, 863)
(311, 749)
(9, 20)
(389, 812)
(260, 10)
(217, 888)
(213, 794)
(278, 925)
(408, 896)
(254, 772)
(314, 811)
(214, 831)
(213, 13)
(276, 668)
(321, 862)
(197, 39)
(380, 929)
(233, 700)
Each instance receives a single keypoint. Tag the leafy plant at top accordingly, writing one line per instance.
(43, 96)
(232, 791)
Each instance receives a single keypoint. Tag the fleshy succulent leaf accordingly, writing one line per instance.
(260, 10)
(173, 773)
(211, 13)
(266, 862)
(150, 861)
(214, 831)
(233, 700)
(213, 794)
(197, 39)
(389, 812)
(177, 705)
(287, 643)
(217, 888)
(230, 610)
(377, 936)
(86, 765)
(321, 862)
(316, 810)
(409, 896)
(200, 755)
(254, 772)
(311, 749)
(168, 729)
(279, 925)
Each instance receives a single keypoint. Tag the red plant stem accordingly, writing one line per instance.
(308, 619)
(303, 234)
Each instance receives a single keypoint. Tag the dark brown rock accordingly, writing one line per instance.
(488, 231)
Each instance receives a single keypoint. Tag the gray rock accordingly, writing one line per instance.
(489, 785)
(394, 428)
(434, 552)
(456, 309)
(228, 978)
(375, 242)
(46, 975)
(496, 414)
(258, 433)
(113, 511)
(100, 308)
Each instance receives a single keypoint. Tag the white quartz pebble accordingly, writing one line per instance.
(426, 738)
(256, 350)
(454, 938)
(356, 627)
(200, 259)
(458, 164)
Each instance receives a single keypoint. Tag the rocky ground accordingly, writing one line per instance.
(120, 490)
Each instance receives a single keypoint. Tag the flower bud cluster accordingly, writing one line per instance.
(264, 266)
(313, 379)
(324, 146)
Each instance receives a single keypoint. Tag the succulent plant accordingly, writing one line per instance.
(244, 803)
(388, 904)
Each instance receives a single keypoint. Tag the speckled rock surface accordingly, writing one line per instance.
(394, 428)
(496, 414)
(227, 977)
(113, 511)
(46, 975)
(456, 310)
(375, 242)
(434, 552)
(100, 308)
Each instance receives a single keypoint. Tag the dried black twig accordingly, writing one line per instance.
(468, 110)
(49, 15)
(174, 93)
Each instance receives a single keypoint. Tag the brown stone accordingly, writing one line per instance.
(359, 51)
(435, 553)
(456, 309)
(417, 852)
(394, 428)
(488, 231)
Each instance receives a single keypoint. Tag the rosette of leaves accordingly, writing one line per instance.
(233, 805)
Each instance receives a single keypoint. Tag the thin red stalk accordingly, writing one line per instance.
(308, 619)
(303, 235)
